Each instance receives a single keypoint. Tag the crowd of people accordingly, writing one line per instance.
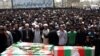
(74, 27)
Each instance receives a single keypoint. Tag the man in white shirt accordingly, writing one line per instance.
(62, 35)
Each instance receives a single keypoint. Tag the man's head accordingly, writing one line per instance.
(37, 27)
(16, 26)
(26, 26)
(2, 29)
(62, 27)
(45, 26)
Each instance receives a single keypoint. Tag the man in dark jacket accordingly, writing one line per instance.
(3, 39)
(53, 37)
(81, 37)
(28, 35)
(96, 42)
(16, 34)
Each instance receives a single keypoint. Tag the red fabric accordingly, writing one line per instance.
(60, 51)
(9, 53)
(81, 51)
(30, 53)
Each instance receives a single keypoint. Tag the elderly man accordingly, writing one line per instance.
(27, 34)
(45, 32)
(37, 35)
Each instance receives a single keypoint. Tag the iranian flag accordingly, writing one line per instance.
(73, 51)
(15, 51)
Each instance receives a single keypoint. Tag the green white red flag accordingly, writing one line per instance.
(73, 51)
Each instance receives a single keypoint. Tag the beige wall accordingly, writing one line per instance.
(75, 3)
(6, 4)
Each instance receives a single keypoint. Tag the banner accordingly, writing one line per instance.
(32, 3)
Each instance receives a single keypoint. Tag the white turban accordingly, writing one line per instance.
(36, 26)
(26, 24)
(45, 25)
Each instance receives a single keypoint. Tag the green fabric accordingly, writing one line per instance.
(88, 51)
(71, 37)
(67, 51)
(50, 47)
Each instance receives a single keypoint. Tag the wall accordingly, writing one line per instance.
(5, 4)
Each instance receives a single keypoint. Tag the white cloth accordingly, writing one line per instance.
(62, 37)
(75, 52)
(33, 29)
(20, 28)
(37, 36)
